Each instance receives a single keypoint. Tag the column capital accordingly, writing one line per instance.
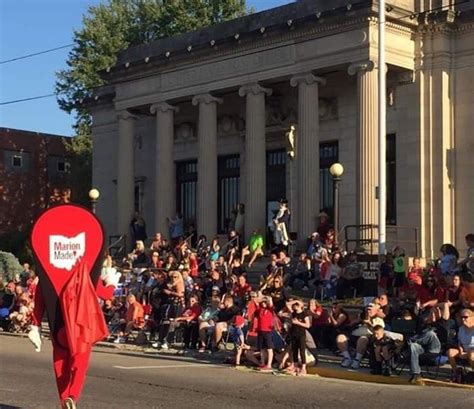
(254, 88)
(162, 107)
(124, 114)
(361, 67)
(307, 78)
(206, 98)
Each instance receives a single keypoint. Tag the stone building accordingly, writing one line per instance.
(198, 122)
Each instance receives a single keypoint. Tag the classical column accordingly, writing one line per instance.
(165, 191)
(307, 153)
(125, 172)
(366, 146)
(207, 164)
(255, 157)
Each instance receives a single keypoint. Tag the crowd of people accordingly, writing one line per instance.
(197, 294)
(194, 292)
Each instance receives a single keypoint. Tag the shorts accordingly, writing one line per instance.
(236, 334)
(264, 340)
(399, 280)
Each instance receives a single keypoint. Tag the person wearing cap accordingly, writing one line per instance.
(281, 224)
(239, 338)
(465, 348)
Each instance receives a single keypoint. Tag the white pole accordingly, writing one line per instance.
(382, 131)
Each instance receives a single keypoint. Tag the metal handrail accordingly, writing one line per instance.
(231, 241)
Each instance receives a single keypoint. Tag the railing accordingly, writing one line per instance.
(117, 246)
(236, 238)
(365, 236)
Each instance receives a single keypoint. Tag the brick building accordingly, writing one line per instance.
(34, 171)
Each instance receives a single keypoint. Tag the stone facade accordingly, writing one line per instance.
(236, 88)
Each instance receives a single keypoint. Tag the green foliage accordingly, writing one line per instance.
(108, 29)
(112, 27)
(17, 242)
(9, 265)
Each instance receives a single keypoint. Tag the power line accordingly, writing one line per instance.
(35, 54)
(28, 99)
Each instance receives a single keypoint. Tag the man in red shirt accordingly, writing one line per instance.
(264, 327)
(241, 289)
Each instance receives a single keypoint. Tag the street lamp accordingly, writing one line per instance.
(93, 196)
(336, 170)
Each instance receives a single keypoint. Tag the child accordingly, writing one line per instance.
(300, 322)
(383, 347)
(399, 270)
(239, 338)
(415, 273)
(264, 326)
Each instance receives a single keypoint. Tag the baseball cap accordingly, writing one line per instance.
(216, 288)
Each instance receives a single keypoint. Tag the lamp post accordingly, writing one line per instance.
(93, 196)
(336, 170)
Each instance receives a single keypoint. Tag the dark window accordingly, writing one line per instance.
(276, 180)
(136, 201)
(391, 160)
(186, 185)
(17, 161)
(228, 190)
(328, 155)
(61, 166)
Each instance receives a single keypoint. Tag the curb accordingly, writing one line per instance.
(322, 371)
(326, 372)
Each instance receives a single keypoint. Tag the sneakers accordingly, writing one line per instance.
(164, 346)
(156, 345)
(265, 368)
(69, 403)
(415, 378)
(355, 364)
(346, 362)
(35, 337)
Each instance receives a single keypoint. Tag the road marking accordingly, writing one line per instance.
(166, 366)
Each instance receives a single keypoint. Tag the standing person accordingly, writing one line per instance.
(449, 259)
(176, 227)
(281, 225)
(138, 228)
(399, 270)
(300, 322)
(240, 220)
(264, 327)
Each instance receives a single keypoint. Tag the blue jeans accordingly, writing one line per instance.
(427, 342)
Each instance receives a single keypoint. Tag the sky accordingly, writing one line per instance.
(29, 26)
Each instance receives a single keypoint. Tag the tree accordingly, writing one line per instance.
(108, 29)
(112, 27)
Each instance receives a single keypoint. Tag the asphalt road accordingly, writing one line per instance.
(126, 380)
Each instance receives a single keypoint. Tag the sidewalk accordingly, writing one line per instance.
(328, 366)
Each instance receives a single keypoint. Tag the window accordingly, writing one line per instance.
(276, 180)
(228, 171)
(63, 166)
(186, 186)
(328, 155)
(391, 169)
(17, 161)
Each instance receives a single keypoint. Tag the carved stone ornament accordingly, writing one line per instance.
(184, 132)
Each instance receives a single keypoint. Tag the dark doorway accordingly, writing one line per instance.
(228, 191)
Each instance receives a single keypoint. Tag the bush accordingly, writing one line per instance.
(9, 265)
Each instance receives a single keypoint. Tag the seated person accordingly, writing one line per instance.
(339, 322)
(465, 348)
(426, 344)
(302, 272)
(227, 312)
(188, 320)
(241, 289)
(383, 351)
(207, 321)
(138, 256)
(134, 319)
(368, 321)
(254, 249)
